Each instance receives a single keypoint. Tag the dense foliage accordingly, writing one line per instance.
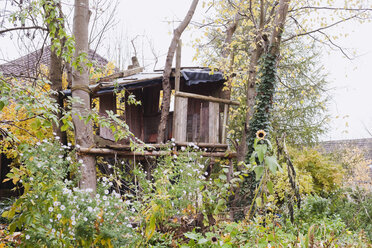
(183, 199)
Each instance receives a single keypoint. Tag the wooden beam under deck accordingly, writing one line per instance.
(108, 152)
(158, 146)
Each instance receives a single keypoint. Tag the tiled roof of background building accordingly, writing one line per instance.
(29, 65)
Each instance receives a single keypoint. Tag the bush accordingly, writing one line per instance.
(326, 174)
(52, 212)
(354, 206)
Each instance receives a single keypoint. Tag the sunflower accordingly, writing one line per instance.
(260, 134)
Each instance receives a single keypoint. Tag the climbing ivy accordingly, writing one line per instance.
(260, 121)
(264, 100)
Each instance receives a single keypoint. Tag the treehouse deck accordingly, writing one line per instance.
(198, 112)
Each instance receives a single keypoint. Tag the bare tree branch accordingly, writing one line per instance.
(168, 68)
(22, 28)
(330, 8)
(322, 28)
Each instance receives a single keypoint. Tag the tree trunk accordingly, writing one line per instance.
(56, 73)
(260, 118)
(80, 81)
(54, 21)
(268, 50)
(168, 69)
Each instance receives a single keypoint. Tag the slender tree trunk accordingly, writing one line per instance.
(227, 53)
(80, 89)
(168, 69)
(56, 73)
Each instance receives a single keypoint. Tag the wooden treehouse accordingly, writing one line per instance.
(198, 113)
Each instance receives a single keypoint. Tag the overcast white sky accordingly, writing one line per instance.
(351, 80)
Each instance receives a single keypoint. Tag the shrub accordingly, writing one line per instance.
(52, 212)
(326, 174)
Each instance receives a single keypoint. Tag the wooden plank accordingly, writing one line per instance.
(110, 152)
(178, 67)
(107, 102)
(195, 127)
(207, 98)
(159, 146)
(134, 115)
(180, 119)
(121, 74)
(224, 123)
(177, 88)
(213, 116)
(204, 126)
(203, 145)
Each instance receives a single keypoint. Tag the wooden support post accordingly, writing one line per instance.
(224, 123)
(213, 122)
(180, 119)
(180, 104)
(178, 67)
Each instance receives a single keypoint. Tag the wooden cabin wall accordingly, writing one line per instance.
(134, 114)
(151, 97)
(203, 117)
(143, 120)
(107, 102)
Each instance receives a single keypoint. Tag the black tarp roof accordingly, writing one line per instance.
(142, 80)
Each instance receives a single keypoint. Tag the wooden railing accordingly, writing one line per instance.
(180, 116)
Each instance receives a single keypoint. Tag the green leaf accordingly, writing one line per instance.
(253, 157)
(193, 236)
(5, 214)
(272, 164)
(259, 170)
(2, 105)
(261, 151)
(64, 127)
(270, 187)
(223, 177)
(36, 124)
(259, 202)
(202, 241)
